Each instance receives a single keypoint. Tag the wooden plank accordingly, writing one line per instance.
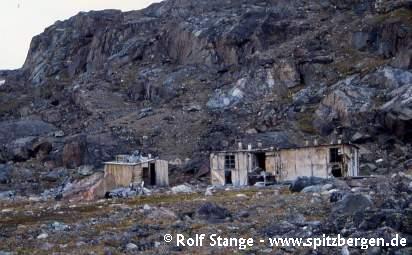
(137, 174)
(162, 173)
(122, 174)
(217, 172)
(240, 174)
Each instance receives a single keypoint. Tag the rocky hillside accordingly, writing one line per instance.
(184, 77)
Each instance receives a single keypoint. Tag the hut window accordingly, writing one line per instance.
(335, 155)
(230, 162)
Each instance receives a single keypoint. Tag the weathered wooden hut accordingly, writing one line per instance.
(247, 166)
(153, 172)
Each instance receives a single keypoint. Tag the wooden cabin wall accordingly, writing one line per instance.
(137, 174)
(123, 175)
(271, 162)
(304, 162)
(240, 174)
(353, 160)
(217, 165)
(162, 173)
(355, 170)
(286, 164)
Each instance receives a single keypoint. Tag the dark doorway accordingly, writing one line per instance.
(146, 176)
(261, 160)
(336, 171)
(228, 177)
(152, 167)
(149, 175)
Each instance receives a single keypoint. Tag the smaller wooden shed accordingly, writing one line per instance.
(152, 172)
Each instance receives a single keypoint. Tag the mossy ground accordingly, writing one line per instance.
(102, 226)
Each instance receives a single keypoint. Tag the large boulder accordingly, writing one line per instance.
(25, 148)
(42, 148)
(303, 182)
(352, 203)
(90, 188)
(212, 212)
(183, 188)
(21, 149)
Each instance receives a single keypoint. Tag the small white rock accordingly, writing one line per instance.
(131, 246)
(147, 207)
(326, 187)
(42, 236)
(208, 192)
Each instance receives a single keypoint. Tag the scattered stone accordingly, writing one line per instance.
(6, 195)
(131, 246)
(208, 192)
(161, 213)
(311, 189)
(192, 108)
(327, 187)
(260, 184)
(121, 193)
(85, 170)
(184, 188)
(43, 236)
(52, 176)
(58, 226)
(59, 133)
(243, 214)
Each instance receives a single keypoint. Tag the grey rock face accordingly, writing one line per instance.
(23, 128)
(74, 153)
(213, 73)
(5, 174)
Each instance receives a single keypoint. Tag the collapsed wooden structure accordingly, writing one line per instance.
(247, 166)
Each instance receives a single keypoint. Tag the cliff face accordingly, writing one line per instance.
(184, 77)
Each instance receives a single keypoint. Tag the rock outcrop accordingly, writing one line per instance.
(184, 77)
